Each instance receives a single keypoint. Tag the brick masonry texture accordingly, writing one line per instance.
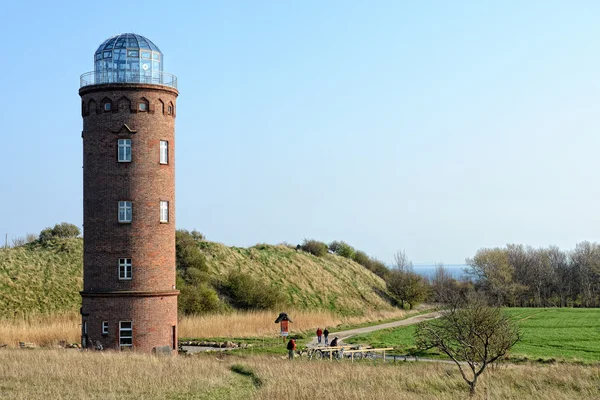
(145, 182)
(152, 318)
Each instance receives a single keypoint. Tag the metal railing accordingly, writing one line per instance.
(153, 78)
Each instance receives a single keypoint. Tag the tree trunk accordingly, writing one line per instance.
(472, 387)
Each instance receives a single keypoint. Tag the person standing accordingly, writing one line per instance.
(291, 346)
(326, 334)
(319, 334)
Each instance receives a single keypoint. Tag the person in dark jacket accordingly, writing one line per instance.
(319, 334)
(334, 342)
(291, 346)
(326, 334)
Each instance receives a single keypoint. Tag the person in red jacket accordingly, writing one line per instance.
(319, 334)
(291, 346)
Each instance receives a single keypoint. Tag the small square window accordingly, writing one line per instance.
(125, 211)
(164, 211)
(170, 110)
(105, 327)
(142, 107)
(107, 106)
(125, 268)
(124, 153)
(164, 152)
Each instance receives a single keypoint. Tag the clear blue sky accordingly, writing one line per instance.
(434, 127)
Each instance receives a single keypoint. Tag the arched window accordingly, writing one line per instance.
(92, 107)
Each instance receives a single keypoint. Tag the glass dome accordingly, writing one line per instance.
(128, 58)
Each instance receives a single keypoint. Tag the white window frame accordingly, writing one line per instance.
(125, 333)
(125, 145)
(142, 106)
(164, 211)
(125, 269)
(105, 327)
(125, 212)
(164, 152)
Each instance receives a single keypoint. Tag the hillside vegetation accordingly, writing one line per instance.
(41, 279)
(46, 277)
(328, 282)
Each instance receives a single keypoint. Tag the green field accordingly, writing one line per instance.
(548, 334)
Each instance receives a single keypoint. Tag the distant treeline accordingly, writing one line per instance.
(515, 275)
(544, 277)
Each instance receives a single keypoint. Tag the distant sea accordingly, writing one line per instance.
(454, 270)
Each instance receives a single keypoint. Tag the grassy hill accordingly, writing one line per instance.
(47, 279)
(41, 279)
(330, 282)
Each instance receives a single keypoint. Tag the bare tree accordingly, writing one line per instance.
(473, 336)
(18, 241)
(445, 287)
(23, 240)
(401, 262)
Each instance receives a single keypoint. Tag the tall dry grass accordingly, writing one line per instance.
(62, 374)
(262, 323)
(42, 330)
(47, 331)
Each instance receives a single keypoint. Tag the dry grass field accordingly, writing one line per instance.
(66, 374)
(261, 323)
(47, 331)
(41, 330)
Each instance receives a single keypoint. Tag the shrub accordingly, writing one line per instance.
(63, 230)
(342, 249)
(408, 287)
(362, 258)
(247, 292)
(188, 254)
(314, 247)
(378, 268)
(197, 236)
(197, 299)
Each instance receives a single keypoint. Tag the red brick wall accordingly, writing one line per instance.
(152, 320)
(143, 181)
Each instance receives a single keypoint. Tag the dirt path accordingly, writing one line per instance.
(353, 332)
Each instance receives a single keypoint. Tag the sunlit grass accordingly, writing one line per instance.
(571, 334)
(55, 374)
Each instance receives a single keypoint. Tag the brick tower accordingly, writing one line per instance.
(129, 300)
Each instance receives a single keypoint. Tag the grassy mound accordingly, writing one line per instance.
(41, 279)
(46, 278)
(329, 282)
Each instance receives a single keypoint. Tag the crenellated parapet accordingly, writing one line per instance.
(107, 100)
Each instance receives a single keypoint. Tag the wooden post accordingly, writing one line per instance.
(330, 355)
(352, 356)
(384, 356)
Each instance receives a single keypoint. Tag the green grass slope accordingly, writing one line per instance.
(329, 282)
(41, 279)
(47, 279)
